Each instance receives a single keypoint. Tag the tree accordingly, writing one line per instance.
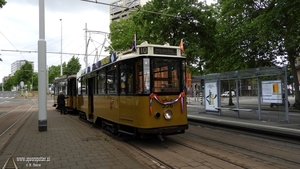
(53, 72)
(2, 3)
(122, 27)
(282, 24)
(35, 81)
(9, 83)
(170, 21)
(72, 67)
(25, 74)
(258, 33)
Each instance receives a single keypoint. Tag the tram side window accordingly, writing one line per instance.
(139, 77)
(101, 82)
(64, 87)
(166, 75)
(123, 79)
(126, 82)
(112, 82)
(83, 86)
(146, 66)
(95, 85)
(129, 73)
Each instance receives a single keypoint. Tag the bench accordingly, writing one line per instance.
(237, 110)
(222, 108)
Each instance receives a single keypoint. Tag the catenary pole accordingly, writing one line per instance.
(42, 72)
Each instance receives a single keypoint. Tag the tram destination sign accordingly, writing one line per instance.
(164, 51)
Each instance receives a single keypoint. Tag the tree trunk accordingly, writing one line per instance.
(230, 103)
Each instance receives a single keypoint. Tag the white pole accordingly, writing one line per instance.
(42, 74)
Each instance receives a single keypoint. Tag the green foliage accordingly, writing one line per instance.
(9, 83)
(256, 34)
(29, 77)
(25, 74)
(53, 72)
(72, 67)
(158, 22)
(35, 81)
(124, 28)
(2, 3)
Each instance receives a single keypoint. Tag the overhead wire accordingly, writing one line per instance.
(137, 10)
(11, 44)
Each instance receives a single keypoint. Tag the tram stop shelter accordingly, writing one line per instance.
(268, 91)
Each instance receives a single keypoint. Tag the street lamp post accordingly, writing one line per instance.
(61, 71)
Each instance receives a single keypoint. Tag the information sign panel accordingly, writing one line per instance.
(271, 91)
(211, 96)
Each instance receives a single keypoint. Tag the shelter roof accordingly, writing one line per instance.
(243, 74)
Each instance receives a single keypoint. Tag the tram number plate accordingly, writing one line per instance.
(167, 105)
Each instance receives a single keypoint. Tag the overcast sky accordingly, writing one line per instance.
(19, 30)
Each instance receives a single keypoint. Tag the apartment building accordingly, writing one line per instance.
(17, 65)
(122, 8)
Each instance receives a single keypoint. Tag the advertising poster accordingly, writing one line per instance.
(211, 96)
(271, 91)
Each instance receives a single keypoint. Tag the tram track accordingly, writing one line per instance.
(241, 148)
(195, 146)
(156, 162)
(12, 118)
(162, 158)
(261, 148)
(187, 147)
(15, 122)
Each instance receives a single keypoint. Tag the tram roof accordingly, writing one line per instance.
(243, 74)
(65, 77)
(143, 49)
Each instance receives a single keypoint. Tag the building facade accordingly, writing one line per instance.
(122, 8)
(17, 65)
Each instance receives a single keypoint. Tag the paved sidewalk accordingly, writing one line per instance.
(68, 143)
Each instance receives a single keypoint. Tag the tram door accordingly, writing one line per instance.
(91, 97)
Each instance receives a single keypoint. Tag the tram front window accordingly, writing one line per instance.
(166, 74)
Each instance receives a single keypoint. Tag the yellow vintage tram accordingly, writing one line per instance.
(136, 93)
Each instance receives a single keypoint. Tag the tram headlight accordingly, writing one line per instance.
(168, 114)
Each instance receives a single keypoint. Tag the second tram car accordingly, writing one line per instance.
(68, 85)
(136, 93)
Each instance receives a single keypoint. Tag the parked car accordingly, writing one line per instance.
(226, 94)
